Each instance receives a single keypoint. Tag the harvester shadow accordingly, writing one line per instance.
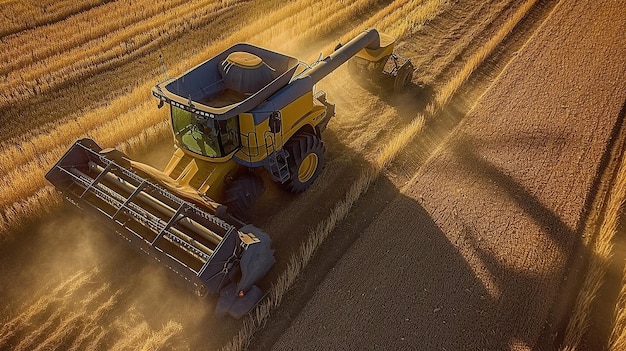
(547, 219)
(538, 290)
(568, 239)
(409, 269)
(412, 286)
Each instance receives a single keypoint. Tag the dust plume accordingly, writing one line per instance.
(68, 284)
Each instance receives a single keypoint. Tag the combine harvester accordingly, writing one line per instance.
(245, 111)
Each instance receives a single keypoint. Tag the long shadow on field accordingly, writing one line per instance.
(526, 258)
(389, 278)
(549, 221)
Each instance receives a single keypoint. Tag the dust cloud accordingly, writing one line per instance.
(67, 283)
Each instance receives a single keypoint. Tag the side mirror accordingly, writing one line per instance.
(275, 122)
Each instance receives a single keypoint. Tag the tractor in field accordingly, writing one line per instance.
(244, 112)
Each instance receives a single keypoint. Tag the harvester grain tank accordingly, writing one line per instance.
(244, 112)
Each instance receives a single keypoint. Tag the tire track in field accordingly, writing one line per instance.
(419, 151)
(441, 68)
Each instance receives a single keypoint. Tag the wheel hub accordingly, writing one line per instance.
(307, 167)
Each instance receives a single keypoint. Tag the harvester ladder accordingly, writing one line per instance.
(277, 159)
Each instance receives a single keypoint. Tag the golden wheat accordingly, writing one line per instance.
(64, 327)
(160, 337)
(90, 328)
(108, 51)
(132, 337)
(41, 307)
(55, 39)
(22, 15)
(35, 309)
(25, 210)
(617, 341)
(601, 252)
(16, 186)
(95, 344)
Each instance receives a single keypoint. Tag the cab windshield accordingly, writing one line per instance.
(205, 136)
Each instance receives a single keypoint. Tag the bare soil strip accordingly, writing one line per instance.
(489, 224)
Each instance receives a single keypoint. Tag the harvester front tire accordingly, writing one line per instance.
(242, 194)
(306, 159)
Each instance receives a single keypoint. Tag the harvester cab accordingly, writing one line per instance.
(245, 112)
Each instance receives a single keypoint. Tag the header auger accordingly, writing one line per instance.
(245, 111)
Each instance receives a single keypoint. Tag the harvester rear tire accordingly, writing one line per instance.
(306, 159)
(404, 77)
(242, 194)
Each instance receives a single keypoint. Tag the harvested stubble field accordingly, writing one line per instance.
(73, 287)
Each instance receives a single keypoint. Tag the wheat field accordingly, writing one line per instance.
(62, 44)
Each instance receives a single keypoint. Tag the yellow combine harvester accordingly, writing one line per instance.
(246, 111)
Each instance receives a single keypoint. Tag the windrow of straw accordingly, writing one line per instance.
(617, 340)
